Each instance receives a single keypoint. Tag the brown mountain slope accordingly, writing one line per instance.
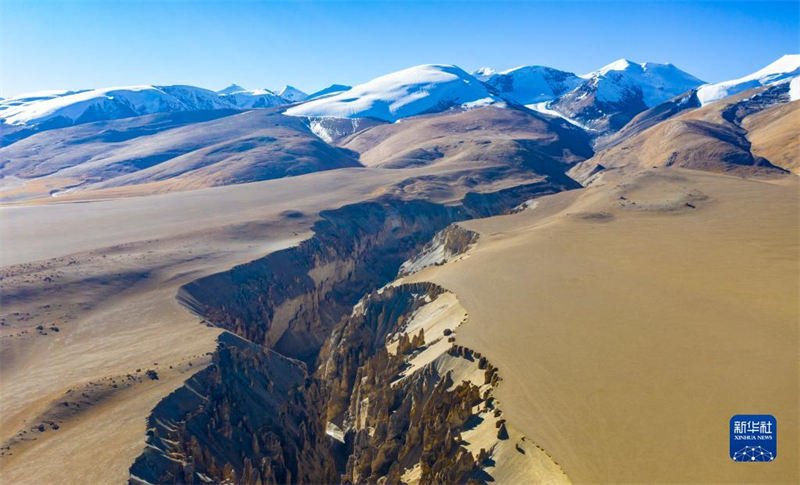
(650, 117)
(147, 154)
(775, 135)
(485, 136)
(712, 138)
(245, 147)
(583, 105)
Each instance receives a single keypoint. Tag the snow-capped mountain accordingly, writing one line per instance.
(72, 107)
(657, 82)
(601, 101)
(484, 73)
(329, 91)
(784, 69)
(611, 96)
(63, 108)
(794, 89)
(531, 84)
(233, 88)
(416, 90)
(250, 98)
(292, 94)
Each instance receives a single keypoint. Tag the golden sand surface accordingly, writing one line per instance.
(632, 319)
(105, 274)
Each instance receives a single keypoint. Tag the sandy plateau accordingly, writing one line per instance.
(89, 308)
(631, 319)
(627, 321)
(198, 288)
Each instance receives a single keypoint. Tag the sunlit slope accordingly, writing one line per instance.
(715, 138)
(632, 319)
(775, 135)
(490, 136)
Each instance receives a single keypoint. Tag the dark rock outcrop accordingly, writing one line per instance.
(417, 421)
(246, 418)
(445, 245)
(291, 299)
(255, 415)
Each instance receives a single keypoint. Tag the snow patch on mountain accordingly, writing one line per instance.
(657, 82)
(251, 98)
(107, 103)
(544, 107)
(233, 88)
(292, 94)
(331, 130)
(533, 84)
(416, 90)
(782, 70)
(484, 73)
(794, 89)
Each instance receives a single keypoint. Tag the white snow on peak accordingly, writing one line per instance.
(794, 89)
(416, 90)
(657, 82)
(544, 107)
(72, 107)
(106, 103)
(233, 88)
(782, 70)
(484, 73)
(250, 98)
(618, 65)
(533, 84)
(291, 93)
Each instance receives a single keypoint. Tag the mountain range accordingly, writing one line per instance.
(602, 101)
(435, 276)
(185, 136)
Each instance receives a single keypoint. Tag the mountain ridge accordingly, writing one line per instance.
(602, 100)
(408, 92)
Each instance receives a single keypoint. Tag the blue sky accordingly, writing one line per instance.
(79, 44)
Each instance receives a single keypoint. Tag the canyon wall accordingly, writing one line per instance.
(327, 381)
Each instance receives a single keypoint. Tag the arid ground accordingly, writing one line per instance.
(632, 319)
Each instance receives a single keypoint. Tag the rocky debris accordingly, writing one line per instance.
(390, 429)
(502, 432)
(407, 345)
(73, 403)
(771, 96)
(254, 416)
(445, 246)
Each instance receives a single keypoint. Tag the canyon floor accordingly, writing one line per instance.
(629, 320)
